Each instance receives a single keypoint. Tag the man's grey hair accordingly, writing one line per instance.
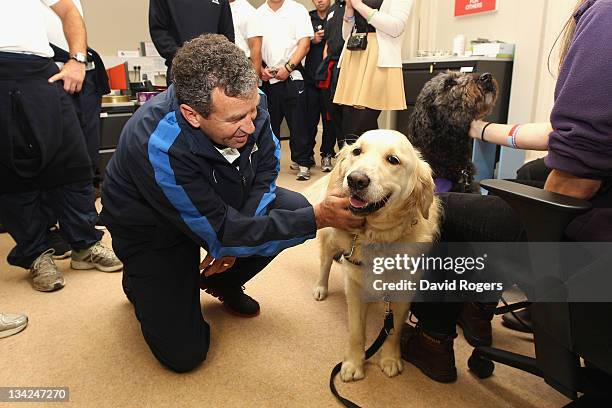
(207, 62)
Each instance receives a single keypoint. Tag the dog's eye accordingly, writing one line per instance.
(393, 160)
(356, 152)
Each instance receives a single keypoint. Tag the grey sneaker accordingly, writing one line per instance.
(294, 166)
(45, 275)
(326, 164)
(304, 173)
(12, 324)
(96, 257)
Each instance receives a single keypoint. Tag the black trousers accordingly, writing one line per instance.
(163, 285)
(88, 105)
(44, 163)
(476, 218)
(356, 121)
(468, 218)
(25, 216)
(318, 109)
(287, 100)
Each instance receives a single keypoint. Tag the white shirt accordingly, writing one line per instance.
(23, 27)
(281, 31)
(241, 11)
(55, 29)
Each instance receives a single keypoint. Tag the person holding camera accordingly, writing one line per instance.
(371, 63)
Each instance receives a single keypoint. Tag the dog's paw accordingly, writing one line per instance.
(319, 292)
(391, 366)
(351, 371)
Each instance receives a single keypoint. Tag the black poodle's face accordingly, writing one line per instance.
(458, 98)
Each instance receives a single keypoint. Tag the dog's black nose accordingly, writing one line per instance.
(358, 180)
(486, 77)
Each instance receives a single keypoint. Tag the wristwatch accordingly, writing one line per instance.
(79, 57)
(290, 67)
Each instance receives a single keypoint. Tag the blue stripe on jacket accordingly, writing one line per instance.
(160, 142)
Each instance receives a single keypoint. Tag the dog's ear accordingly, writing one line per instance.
(339, 170)
(424, 187)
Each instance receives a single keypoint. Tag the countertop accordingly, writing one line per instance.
(450, 58)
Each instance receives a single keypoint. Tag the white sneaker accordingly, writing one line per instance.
(304, 173)
(294, 166)
(12, 324)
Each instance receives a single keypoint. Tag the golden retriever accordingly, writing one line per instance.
(389, 183)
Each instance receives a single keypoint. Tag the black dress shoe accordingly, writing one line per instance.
(524, 325)
(235, 301)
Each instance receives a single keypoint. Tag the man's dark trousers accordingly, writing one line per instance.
(164, 286)
(317, 110)
(287, 99)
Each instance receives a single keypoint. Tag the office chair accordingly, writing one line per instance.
(563, 332)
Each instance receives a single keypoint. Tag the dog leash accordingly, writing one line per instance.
(382, 336)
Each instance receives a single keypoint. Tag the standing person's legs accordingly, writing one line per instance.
(27, 224)
(88, 104)
(73, 205)
(335, 110)
(275, 94)
(356, 121)
(328, 139)
(295, 107)
(313, 111)
(163, 286)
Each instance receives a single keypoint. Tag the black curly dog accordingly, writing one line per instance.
(440, 122)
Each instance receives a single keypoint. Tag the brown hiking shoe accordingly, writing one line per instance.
(475, 320)
(432, 354)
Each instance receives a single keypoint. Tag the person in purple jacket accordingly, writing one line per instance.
(579, 164)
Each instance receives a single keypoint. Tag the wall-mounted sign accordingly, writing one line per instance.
(468, 7)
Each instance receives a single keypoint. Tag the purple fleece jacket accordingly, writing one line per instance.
(581, 143)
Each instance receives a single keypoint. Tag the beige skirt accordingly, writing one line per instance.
(362, 83)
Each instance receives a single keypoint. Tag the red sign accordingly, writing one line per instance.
(467, 7)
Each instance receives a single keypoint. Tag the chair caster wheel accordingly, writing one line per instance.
(482, 367)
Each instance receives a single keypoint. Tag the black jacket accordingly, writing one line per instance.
(166, 179)
(172, 22)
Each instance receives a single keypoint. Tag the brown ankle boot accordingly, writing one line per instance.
(475, 320)
(432, 354)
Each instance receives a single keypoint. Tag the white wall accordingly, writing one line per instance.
(116, 24)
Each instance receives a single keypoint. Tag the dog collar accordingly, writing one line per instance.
(347, 255)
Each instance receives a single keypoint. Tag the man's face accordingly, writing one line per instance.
(230, 121)
(321, 5)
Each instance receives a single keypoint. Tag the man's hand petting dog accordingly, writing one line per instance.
(334, 211)
(210, 265)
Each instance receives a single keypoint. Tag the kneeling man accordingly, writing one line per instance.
(196, 167)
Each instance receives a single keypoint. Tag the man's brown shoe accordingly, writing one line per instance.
(475, 320)
(433, 354)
